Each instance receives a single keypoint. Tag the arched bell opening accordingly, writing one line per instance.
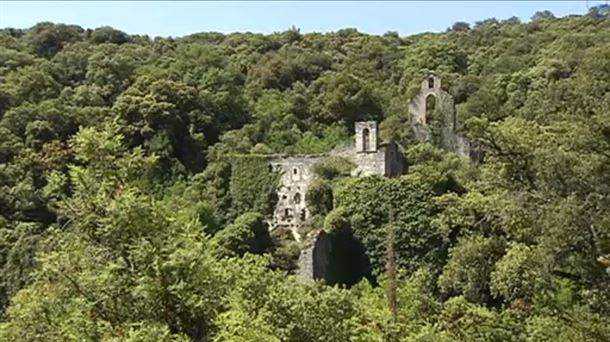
(366, 139)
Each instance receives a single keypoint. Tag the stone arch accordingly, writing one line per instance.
(366, 139)
(431, 104)
(295, 174)
(347, 261)
(366, 136)
(430, 82)
(336, 258)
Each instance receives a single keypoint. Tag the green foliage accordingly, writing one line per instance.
(327, 140)
(440, 171)
(285, 250)
(134, 228)
(467, 321)
(319, 197)
(160, 115)
(518, 273)
(116, 237)
(46, 39)
(307, 312)
(582, 325)
(211, 189)
(253, 184)
(469, 267)
(333, 167)
(337, 221)
(343, 98)
(364, 206)
(248, 234)
(107, 34)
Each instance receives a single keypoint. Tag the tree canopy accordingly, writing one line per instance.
(135, 187)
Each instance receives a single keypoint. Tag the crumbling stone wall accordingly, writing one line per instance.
(314, 259)
(424, 126)
(295, 177)
(387, 160)
(296, 173)
(367, 163)
(371, 157)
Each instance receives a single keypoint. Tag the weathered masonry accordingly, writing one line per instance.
(432, 118)
(369, 155)
(432, 106)
(296, 175)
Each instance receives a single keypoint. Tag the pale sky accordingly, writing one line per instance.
(179, 18)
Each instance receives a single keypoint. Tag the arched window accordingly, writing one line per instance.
(430, 107)
(295, 174)
(297, 198)
(430, 82)
(366, 137)
(288, 214)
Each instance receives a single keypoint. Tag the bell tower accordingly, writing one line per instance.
(367, 134)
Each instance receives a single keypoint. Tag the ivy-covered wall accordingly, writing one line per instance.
(252, 185)
(365, 204)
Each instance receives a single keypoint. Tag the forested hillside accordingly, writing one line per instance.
(134, 190)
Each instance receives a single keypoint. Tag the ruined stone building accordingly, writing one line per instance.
(431, 117)
(366, 152)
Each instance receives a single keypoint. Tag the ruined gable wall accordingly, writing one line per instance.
(448, 136)
(430, 86)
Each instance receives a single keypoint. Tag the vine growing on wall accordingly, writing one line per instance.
(365, 203)
(441, 124)
(319, 196)
(253, 184)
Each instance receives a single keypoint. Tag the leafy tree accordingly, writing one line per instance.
(46, 39)
(469, 267)
(341, 97)
(543, 15)
(248, 234)
(166, 117)
(366, 204)
(143, 225)
(460, 26)
(319, 197)
(107, 34)
(30, 84)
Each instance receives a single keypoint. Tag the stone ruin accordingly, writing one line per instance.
(367, 153)
(370, 157)
(432, 100)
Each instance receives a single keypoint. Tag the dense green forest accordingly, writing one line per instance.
(133, 190)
